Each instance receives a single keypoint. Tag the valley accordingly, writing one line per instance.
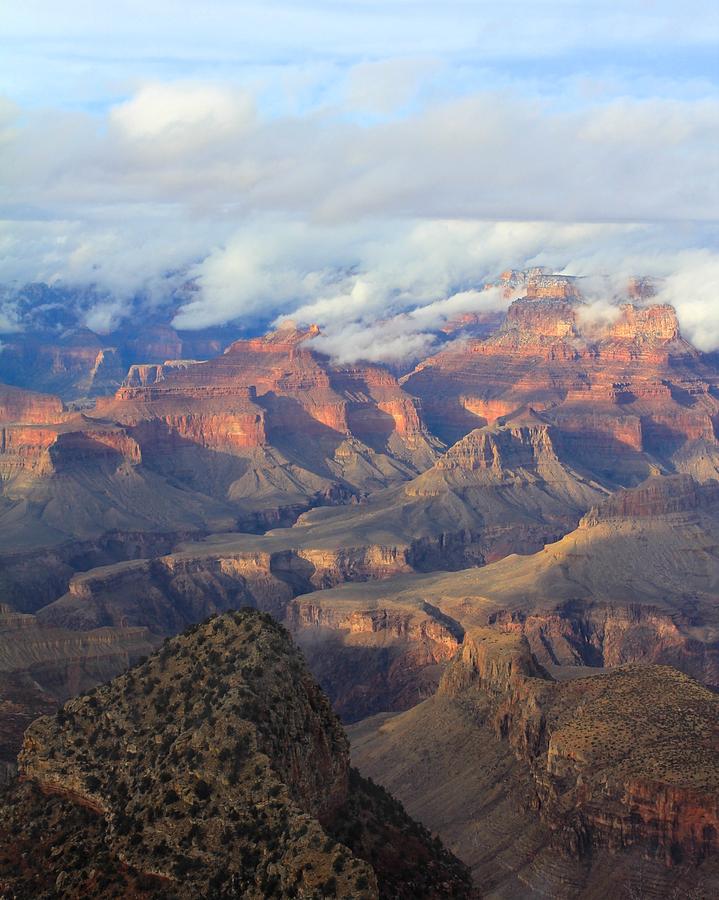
(501, 566)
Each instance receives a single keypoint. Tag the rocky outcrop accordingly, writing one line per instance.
(41, 667)
(657, 496)
(613, 759)
(502, 451)
(350, 425)
(539, 282)
(595, 634)
(244, 783)
(620, 385)
(195, 582)
(146, 374)
(169, 593)
(27, 407)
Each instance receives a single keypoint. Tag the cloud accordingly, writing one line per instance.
(692, 288)
(404, 336)
(382, 290)
(203, 149)
(383, 86)
(364, 165)
(182, 114)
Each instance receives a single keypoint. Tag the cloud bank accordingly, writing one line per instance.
(369, 175)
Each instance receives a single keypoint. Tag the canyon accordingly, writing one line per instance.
(484, 561)
(567, 789)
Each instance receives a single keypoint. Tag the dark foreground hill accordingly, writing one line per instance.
(214, 769)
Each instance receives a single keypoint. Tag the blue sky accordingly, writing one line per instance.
(263, 147)
(89, 54)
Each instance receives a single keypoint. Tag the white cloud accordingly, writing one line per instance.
(182, 114)
(381, 290)
(363, 165)
(692, 287)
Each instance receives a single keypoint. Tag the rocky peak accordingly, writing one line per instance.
(145, 374)
(499, 449)
(646, 323)
(219, 761)
(539, 282)
(542, 318)
(641, 287)
(284, 339)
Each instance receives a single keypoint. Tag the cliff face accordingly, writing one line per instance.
(276, 391)
(39, 437)
(657, 496)
(605, 634)
(616, 759)
(27, 407)
(41, 667)
(190, 585)
(244, 782)
(622, 389)
(373, 659)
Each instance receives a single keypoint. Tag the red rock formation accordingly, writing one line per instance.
(599, 781)
(659, 496)
(27, 407)
(276, 392)
(78, 441)
(622, 392)
(143, 375)
(538, 282)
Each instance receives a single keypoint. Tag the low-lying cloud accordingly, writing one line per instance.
(379, 228)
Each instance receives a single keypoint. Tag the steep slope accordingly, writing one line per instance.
(626, 393)
(499, 490)
(580, 789)
(67, 477)
(216, 765)
(635, 582)
(78, 478)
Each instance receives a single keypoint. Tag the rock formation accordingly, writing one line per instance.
(634, 583)
(41, 667)
(215, 766)
(276, 399)
(28, 407)
(625, 393)
(607, 783)
(459, 596)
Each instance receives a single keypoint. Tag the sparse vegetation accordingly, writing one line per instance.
(197, 764)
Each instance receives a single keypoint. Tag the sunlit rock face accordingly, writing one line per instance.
(623, 389)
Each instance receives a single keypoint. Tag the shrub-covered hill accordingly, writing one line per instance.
(216, 768)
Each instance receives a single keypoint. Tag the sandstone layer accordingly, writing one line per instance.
(626, 394)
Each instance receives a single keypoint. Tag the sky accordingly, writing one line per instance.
(357, 163)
